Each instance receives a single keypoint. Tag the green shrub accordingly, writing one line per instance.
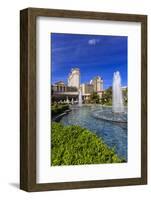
(74, 145)
(58, 109)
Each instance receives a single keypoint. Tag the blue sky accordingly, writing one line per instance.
(93, 54)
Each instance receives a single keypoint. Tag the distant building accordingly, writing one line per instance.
(87, 90)
(62, 91)
(61, 87)
(100, 94)
(97, 83)
(74, 78)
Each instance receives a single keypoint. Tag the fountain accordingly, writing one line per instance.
(116, 113)
(80, 97)
(67, 101)
(117, 97)
(72, 101)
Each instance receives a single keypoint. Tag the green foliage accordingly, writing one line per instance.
(125, 96)
(107, 97)
(74, 145)
(94, 98)
(58, 108)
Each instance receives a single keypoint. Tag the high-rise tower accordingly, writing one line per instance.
(97, 83)
(74, 78)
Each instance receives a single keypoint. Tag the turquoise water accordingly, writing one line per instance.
(113, 134)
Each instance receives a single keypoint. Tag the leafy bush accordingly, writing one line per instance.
(57, 109)
(74, 145)
(107, 97)
(94, 98)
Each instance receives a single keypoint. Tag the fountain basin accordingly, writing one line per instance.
(114, 134)
(108, 115)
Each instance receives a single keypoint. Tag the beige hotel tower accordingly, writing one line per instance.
(74, 78)
(95, 85)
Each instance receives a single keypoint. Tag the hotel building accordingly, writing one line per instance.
(74, 78)
(97, 83)
(62, 91)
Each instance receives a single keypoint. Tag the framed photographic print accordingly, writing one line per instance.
(83, 99)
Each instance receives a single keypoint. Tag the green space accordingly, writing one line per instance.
(58, 108)
(74, 145)
(107, 97)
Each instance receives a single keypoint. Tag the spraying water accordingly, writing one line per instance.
(117, 97)
(72, 101)
(67, 101)
(80, 97)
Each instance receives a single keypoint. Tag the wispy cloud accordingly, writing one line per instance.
(58, 49)
(93, 41)
(93, 54)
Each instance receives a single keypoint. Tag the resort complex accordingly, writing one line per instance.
(89, 124)
(69, 92)
(89, 99)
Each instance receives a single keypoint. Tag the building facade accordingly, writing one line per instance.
(87, 90)
(61, 87)
(62, 91)
(74, 78)
(97, 83)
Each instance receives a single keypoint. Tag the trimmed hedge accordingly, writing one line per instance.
(58, 109)
(74, 145)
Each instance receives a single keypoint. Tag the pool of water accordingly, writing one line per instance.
(113, 134)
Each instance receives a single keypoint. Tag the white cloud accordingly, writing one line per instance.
(93, 41)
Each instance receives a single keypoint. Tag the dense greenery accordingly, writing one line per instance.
(94, 98)
(74, 145)
(107, 97)
(58, 108)
(125, 92)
